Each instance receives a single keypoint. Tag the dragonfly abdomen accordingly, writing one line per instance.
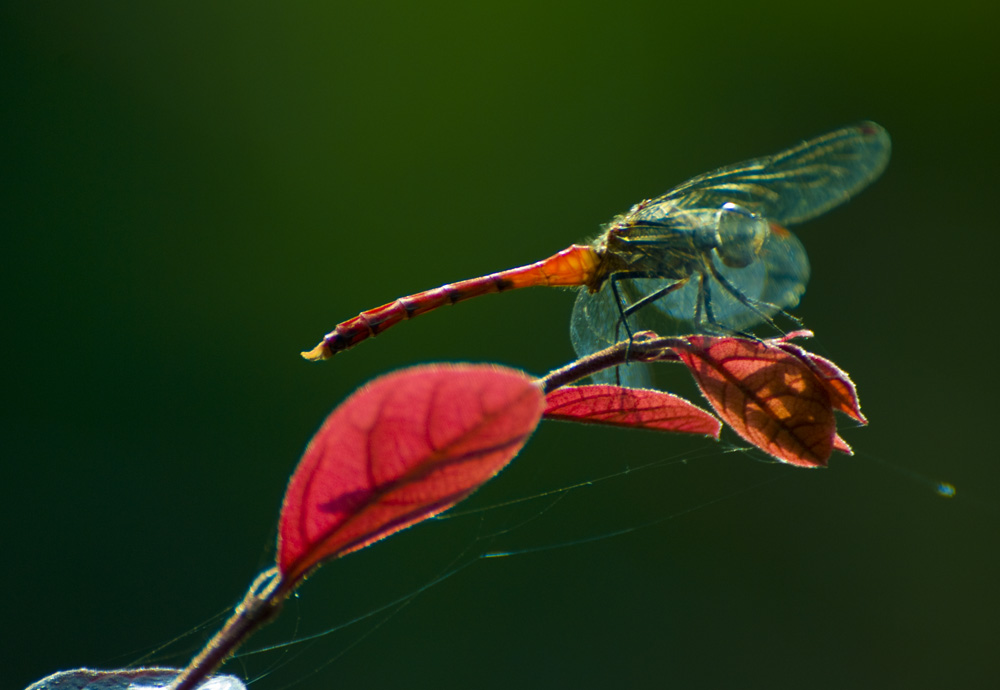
(370, 323)
(576, 265)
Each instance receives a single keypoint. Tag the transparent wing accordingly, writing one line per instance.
(776, 281)
(792, 186)
(786, 188)
(594, 326)
(787, 269)
(773, 283)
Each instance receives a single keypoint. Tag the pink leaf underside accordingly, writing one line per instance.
(402, 449)
(630, 407)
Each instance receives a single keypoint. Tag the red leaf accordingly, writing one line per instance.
(775, 395)
(630, 407)
(402, 449)
(838, 384)
(841, 445)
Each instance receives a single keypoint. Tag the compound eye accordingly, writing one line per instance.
(741, 235)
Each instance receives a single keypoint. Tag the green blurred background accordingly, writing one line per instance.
(192, 194)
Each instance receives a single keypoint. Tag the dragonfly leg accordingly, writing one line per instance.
(703, 307)
(622, 309)
(621, 323)
(626, 310)
(704, 317)
(762, 309)
(662, 292)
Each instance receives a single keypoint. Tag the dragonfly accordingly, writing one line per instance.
(712, 255)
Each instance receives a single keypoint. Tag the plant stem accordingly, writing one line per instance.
(643, 347)
(260, 606)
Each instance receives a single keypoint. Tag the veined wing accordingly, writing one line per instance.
(788, 187)
(773, 283)
(594, 326)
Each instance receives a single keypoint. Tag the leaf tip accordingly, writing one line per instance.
(841, 445)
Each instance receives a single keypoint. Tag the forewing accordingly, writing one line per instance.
(792, 186)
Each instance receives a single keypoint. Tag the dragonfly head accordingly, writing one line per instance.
(741, 235)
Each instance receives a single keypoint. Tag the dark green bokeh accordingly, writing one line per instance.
(191, 195)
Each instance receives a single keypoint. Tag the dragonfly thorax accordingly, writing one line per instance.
(741, 235)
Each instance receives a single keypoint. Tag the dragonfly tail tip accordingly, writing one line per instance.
(318, 353)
